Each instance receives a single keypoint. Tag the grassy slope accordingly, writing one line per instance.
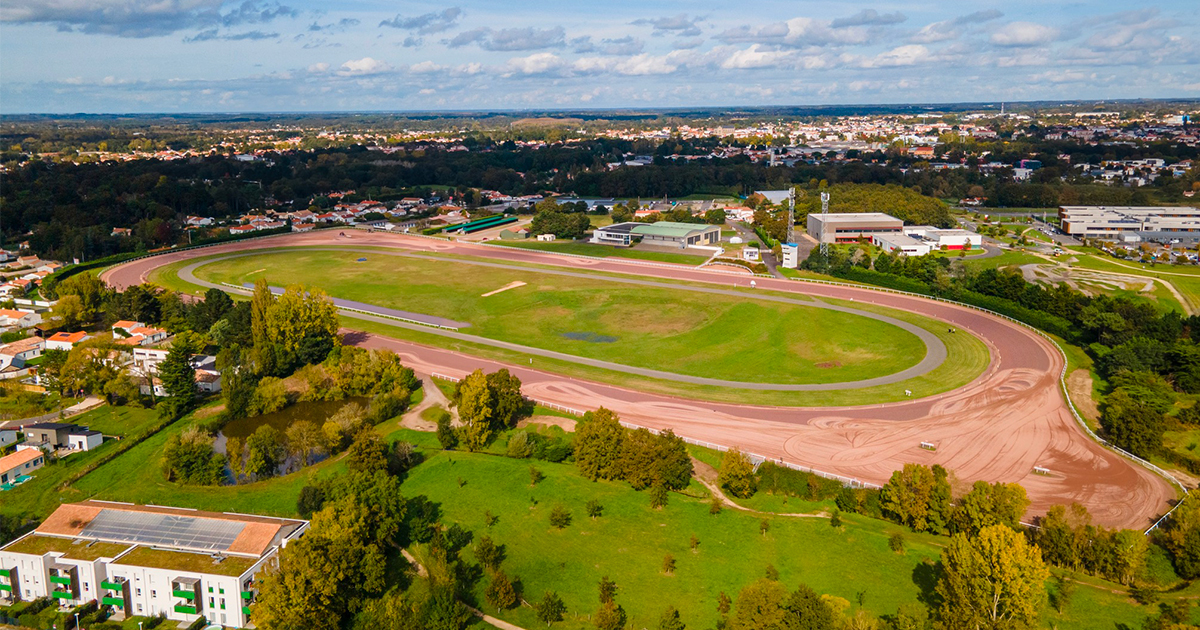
(1186, 279)
(628, 544)
(677, 331)
(43, 493)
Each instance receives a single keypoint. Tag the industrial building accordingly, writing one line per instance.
(664, 232)
(901, 244)
(1148, 222)
(146, 560)
(848, 227)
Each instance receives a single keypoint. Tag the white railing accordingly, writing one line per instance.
(365, 312)
(1062, 381)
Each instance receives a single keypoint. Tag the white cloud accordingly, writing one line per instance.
(1018, 34)
(907, 55)
(364, 66)
(318, 68)
(755, 56)
(537, 63)
(425, 67)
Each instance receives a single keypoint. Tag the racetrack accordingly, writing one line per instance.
(997, 428)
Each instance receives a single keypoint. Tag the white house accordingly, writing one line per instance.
(65, 340)
(17, 353)
(83, 439)
(12, 318)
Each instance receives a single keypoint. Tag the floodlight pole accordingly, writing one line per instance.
(824, 212)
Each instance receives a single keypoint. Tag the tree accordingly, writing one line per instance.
(609, 616)
(599, 439)
(550, 608)
(69, 313)
(995, 580)
(507, 399)
(608, 590)
(1131, 424)
(443, 610)
(560, 518)
(177, 374)
(594, 509)
(487, 553)
(670, 620)
(918, 496)
(658, 497)
(446, 436)
(500, 592)
(668, 564)
(310, 501)
(90, 293)
(265, 451)
(989, 504)
(805, 610)
(572, 225)
(189, 458)
(476, 408)
(760, 606)
(737, 475)
(723, 603)
(304, 438)
(51, 368)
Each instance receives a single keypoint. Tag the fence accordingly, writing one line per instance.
(342, 307)
(848, 481)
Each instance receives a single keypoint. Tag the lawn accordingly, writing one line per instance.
(41, 495)
(1008, 258)
(1185, 279)
(628, 543)
(676, 330)
(605, 251)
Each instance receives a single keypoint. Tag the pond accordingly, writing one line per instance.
(314, 411)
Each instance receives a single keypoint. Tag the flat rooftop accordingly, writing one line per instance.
(670, 229)
(74, 549)
(192, 530)
(847, 217)
(185, 561)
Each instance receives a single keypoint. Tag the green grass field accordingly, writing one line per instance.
(629, 541)
(605, 251)
(678, 331)
(1185, 278)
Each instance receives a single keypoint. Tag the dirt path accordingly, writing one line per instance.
(433, 396)
(499, 623)
(707, 476)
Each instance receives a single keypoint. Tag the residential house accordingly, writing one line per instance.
(118, 231)
(51, 435)
(18, 353)
(18, 319)
(19, 464)
(66, 340)
(199, 221)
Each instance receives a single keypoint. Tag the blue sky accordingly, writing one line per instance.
(62, 56)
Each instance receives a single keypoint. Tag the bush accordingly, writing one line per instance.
(776, 479)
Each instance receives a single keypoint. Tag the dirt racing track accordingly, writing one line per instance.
(999, 427)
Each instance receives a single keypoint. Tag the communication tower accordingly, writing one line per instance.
(824, 212)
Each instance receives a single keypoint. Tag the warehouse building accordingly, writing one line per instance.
(146, 560)
(664, 232)
(938, 238)
(1111, 222)
(902, 244)
(848, 227)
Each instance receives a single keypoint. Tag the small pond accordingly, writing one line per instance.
(315, 411)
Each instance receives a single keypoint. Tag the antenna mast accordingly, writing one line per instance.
(824, 212)
(791, 224)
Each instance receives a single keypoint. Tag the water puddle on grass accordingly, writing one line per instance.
(589, 337)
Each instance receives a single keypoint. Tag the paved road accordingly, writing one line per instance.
(935, 353)
(997, 428)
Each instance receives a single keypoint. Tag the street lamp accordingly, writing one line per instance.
(76, 621)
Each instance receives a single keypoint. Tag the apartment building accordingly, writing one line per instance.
(147, 560)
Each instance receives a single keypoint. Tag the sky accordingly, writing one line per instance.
(164, 56)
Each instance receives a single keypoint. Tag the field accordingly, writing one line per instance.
(605, 251)
(628, 542)
(1185, 279)
(684, 332)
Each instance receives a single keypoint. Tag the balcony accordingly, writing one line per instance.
(62, 594)
(6, 573)
(188, 595)
(60, 579)
(113, 601)
(189, 610)
(247, 595)
(112, 586)
(5, 587)
(246, 610)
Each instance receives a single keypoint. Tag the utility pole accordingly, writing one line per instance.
(824, 214)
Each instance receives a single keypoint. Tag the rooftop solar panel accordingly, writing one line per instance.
(166, 530)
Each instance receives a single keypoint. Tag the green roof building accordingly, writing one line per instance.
(664, 232)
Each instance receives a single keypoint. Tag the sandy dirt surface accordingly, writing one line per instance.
(566, 424)
(1080, 385)
(997, 428)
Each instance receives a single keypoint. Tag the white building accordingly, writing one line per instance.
(901, 243)
(84, 439)
(147, 560)
(945, 239)
(65, 340)
(17, 353)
